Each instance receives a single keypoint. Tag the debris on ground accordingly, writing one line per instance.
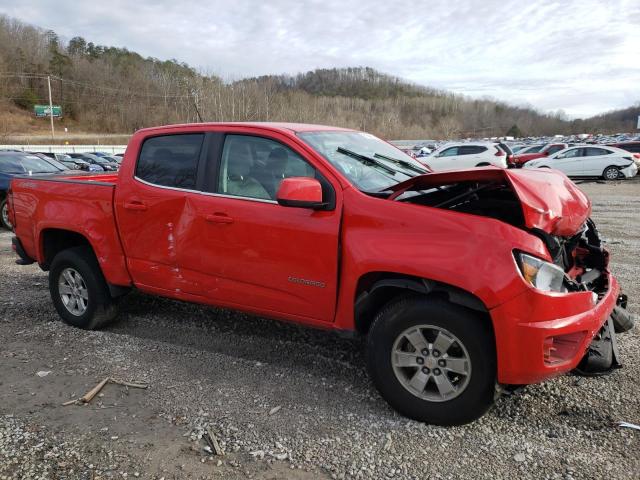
(629, 425)
(275, 410)
(213, 442)
(87, 397)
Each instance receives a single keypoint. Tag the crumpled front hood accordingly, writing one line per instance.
(550, 200)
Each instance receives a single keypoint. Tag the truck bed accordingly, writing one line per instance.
(45, 205)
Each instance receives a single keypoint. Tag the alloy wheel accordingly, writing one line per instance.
(73, 291)
(431, 363)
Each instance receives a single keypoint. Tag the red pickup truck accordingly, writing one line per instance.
(462, 281)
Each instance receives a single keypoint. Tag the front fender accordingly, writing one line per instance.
(469, 252)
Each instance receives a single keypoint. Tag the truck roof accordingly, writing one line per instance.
(278, 126)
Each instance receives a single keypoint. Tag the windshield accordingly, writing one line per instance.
(368, 162)
(21, 164)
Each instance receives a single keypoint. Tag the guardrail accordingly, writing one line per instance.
(112, 149)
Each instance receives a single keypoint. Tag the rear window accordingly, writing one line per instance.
(170, 160)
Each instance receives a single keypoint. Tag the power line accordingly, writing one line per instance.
(32, 76)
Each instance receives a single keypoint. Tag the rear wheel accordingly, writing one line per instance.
(433, 361)
(79, 291)
(611, 173)
(4, 215)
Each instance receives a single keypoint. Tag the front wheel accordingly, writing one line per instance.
(611, 173)
(4, 215)
(433, 361)
(79, 291)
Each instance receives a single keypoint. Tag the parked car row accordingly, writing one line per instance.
(88, 161)
(610, 162)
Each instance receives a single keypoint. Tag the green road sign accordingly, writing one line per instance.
(43, 110)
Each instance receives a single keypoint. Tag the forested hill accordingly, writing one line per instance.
(108, 89)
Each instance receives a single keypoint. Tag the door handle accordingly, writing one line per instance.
(218, 218)
(135, 205)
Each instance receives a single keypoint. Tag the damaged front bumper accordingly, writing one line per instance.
(602, 354)
(540, 335)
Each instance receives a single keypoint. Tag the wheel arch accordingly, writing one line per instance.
(375, 289)
(604, 170)
(55, 240)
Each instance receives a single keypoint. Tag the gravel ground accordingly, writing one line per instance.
(283, 401)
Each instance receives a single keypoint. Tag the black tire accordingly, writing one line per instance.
(473, 331)
(100, 307)
(611, 173)
(4, 221)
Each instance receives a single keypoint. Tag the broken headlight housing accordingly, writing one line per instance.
(540, 274)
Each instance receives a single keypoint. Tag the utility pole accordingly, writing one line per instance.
(50, 106)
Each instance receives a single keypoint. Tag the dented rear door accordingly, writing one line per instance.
(154, 210)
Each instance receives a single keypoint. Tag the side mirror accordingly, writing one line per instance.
(301, 192)
(546, 154)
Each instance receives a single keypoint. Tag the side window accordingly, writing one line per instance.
(170, 160)
(576, 152)
(253, 167)
(554, 149)
(471, 150)
(594, 152)
(449, 152)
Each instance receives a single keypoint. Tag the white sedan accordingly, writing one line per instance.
(609, 163)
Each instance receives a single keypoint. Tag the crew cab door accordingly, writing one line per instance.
(154, 200)
(245, 250)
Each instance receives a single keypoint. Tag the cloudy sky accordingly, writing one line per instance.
(579, 56)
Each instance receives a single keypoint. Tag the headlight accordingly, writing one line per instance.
(539, 274)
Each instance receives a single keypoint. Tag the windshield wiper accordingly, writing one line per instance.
(404, 163)
(368, 160)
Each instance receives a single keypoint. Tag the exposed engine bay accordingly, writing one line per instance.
(488, 199)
